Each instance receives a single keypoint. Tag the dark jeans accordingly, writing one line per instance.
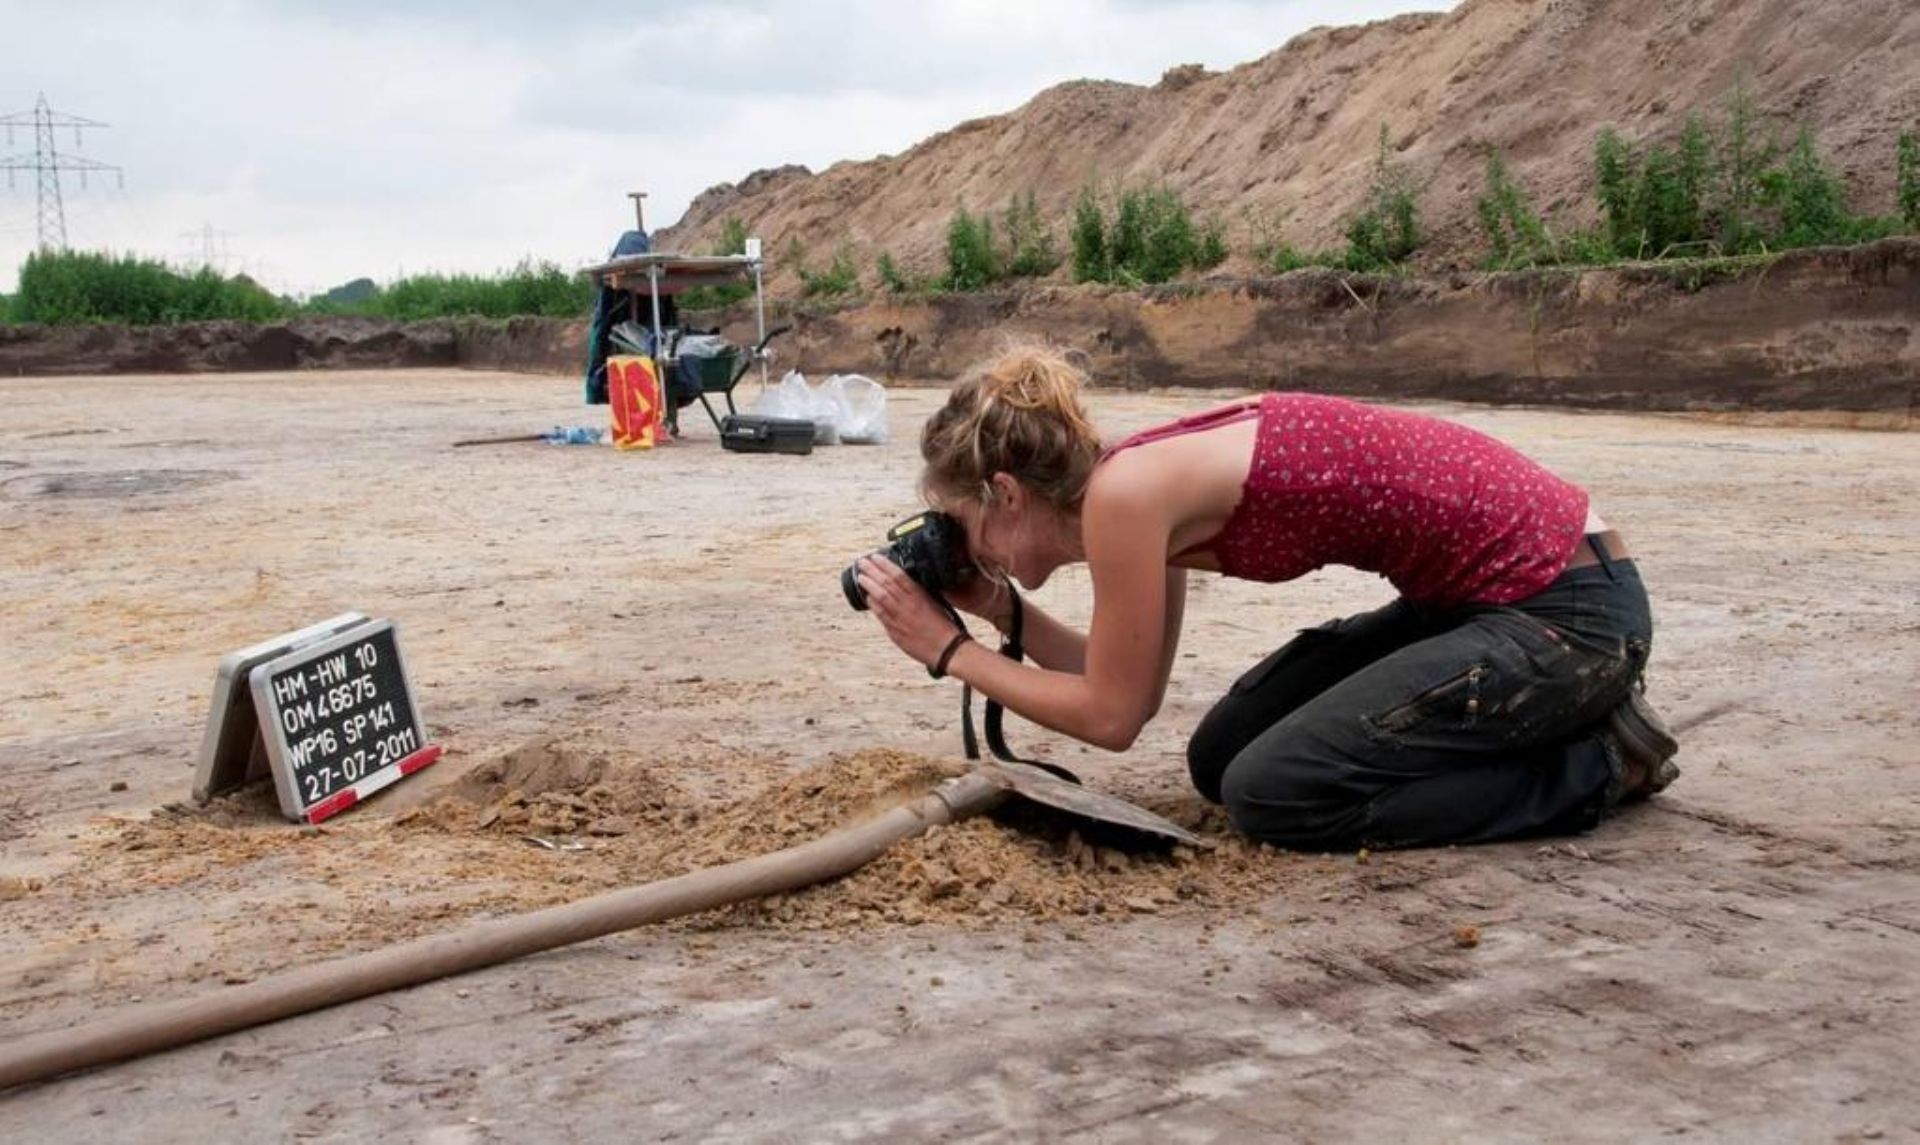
(1412, 726)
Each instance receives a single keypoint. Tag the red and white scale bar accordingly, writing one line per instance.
(346, 797)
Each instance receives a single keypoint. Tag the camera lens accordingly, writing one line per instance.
(850, 584)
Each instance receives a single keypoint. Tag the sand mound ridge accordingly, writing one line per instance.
(559, 819)
(1287, 140)
(1022, 863)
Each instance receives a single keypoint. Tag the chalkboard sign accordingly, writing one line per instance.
(338, 720)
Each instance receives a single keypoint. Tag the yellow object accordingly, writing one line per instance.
(633, 390)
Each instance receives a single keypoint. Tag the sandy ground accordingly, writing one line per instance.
(1738, 960)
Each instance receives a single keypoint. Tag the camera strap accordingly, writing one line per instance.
(1012, 648)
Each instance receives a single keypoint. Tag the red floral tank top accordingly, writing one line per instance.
(1445, 513)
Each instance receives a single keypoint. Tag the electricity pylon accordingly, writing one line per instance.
(47, 163)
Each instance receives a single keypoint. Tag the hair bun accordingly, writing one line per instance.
(1037, 379)
(1019, 413)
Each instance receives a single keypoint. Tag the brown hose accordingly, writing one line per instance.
(164, 1025)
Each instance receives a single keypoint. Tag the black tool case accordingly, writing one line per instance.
(751, 433)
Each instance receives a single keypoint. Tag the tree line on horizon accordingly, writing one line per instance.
(71, 287)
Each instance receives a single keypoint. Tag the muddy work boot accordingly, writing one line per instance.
(1641, 748)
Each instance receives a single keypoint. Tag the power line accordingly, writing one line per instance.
(47, 163)
(209, 247)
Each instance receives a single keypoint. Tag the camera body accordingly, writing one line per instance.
(929, 547)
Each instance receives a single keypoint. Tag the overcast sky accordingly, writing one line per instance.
(321, 141)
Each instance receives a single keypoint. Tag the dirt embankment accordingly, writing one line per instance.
(1831, 329)
(1827, 330)
(1288, 138)
(304, 344)
(196, 347)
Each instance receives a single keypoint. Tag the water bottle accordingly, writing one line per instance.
(573, 435)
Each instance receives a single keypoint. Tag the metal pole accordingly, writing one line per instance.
(653, 291)
(639, 218)
(760, 321)
(660, 364)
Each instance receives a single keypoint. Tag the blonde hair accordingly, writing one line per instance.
(1018, 413)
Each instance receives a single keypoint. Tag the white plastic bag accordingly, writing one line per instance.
(791, 398)
(824, 412)
(862, 408)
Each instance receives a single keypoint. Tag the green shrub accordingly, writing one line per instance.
(1909, 182)
(1810, 199)
(1723, 194)
(1584, 248)
(841, 277)
(1514, 233)
(1151, 238)
(895, 280)
(1090, 262)
(1030, 248)
(1686, 212)
(1386, 230)
(1211, 248)
(1666, 217)
(1652, 202)
(1615, 174)
(1170, 243)
(1127, 239)
(733, 241)
(530, 289)
(1746, 151)
(1283, 257)
(972, 263)
(82, 286)
(6, 309)
(1278, 256)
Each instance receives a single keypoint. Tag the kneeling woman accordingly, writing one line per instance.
(1495, 698)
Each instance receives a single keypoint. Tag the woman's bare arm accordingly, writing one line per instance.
(1048, 642)
(1127, 655)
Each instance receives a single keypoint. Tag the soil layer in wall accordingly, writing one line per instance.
(1813, 330)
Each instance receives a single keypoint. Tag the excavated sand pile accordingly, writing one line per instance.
(1286, 140)
(555, 820)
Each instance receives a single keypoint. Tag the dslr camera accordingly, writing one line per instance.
(930, 547)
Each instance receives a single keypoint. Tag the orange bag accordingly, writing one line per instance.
(639, 415)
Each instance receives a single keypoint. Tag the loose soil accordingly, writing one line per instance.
(641, 664)
(554, 820)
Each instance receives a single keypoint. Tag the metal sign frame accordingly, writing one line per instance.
(231, 752)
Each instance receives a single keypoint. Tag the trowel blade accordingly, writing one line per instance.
(1040, 787)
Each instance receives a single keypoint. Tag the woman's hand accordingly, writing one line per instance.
(914, 623)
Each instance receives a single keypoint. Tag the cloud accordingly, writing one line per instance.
(331, 140)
